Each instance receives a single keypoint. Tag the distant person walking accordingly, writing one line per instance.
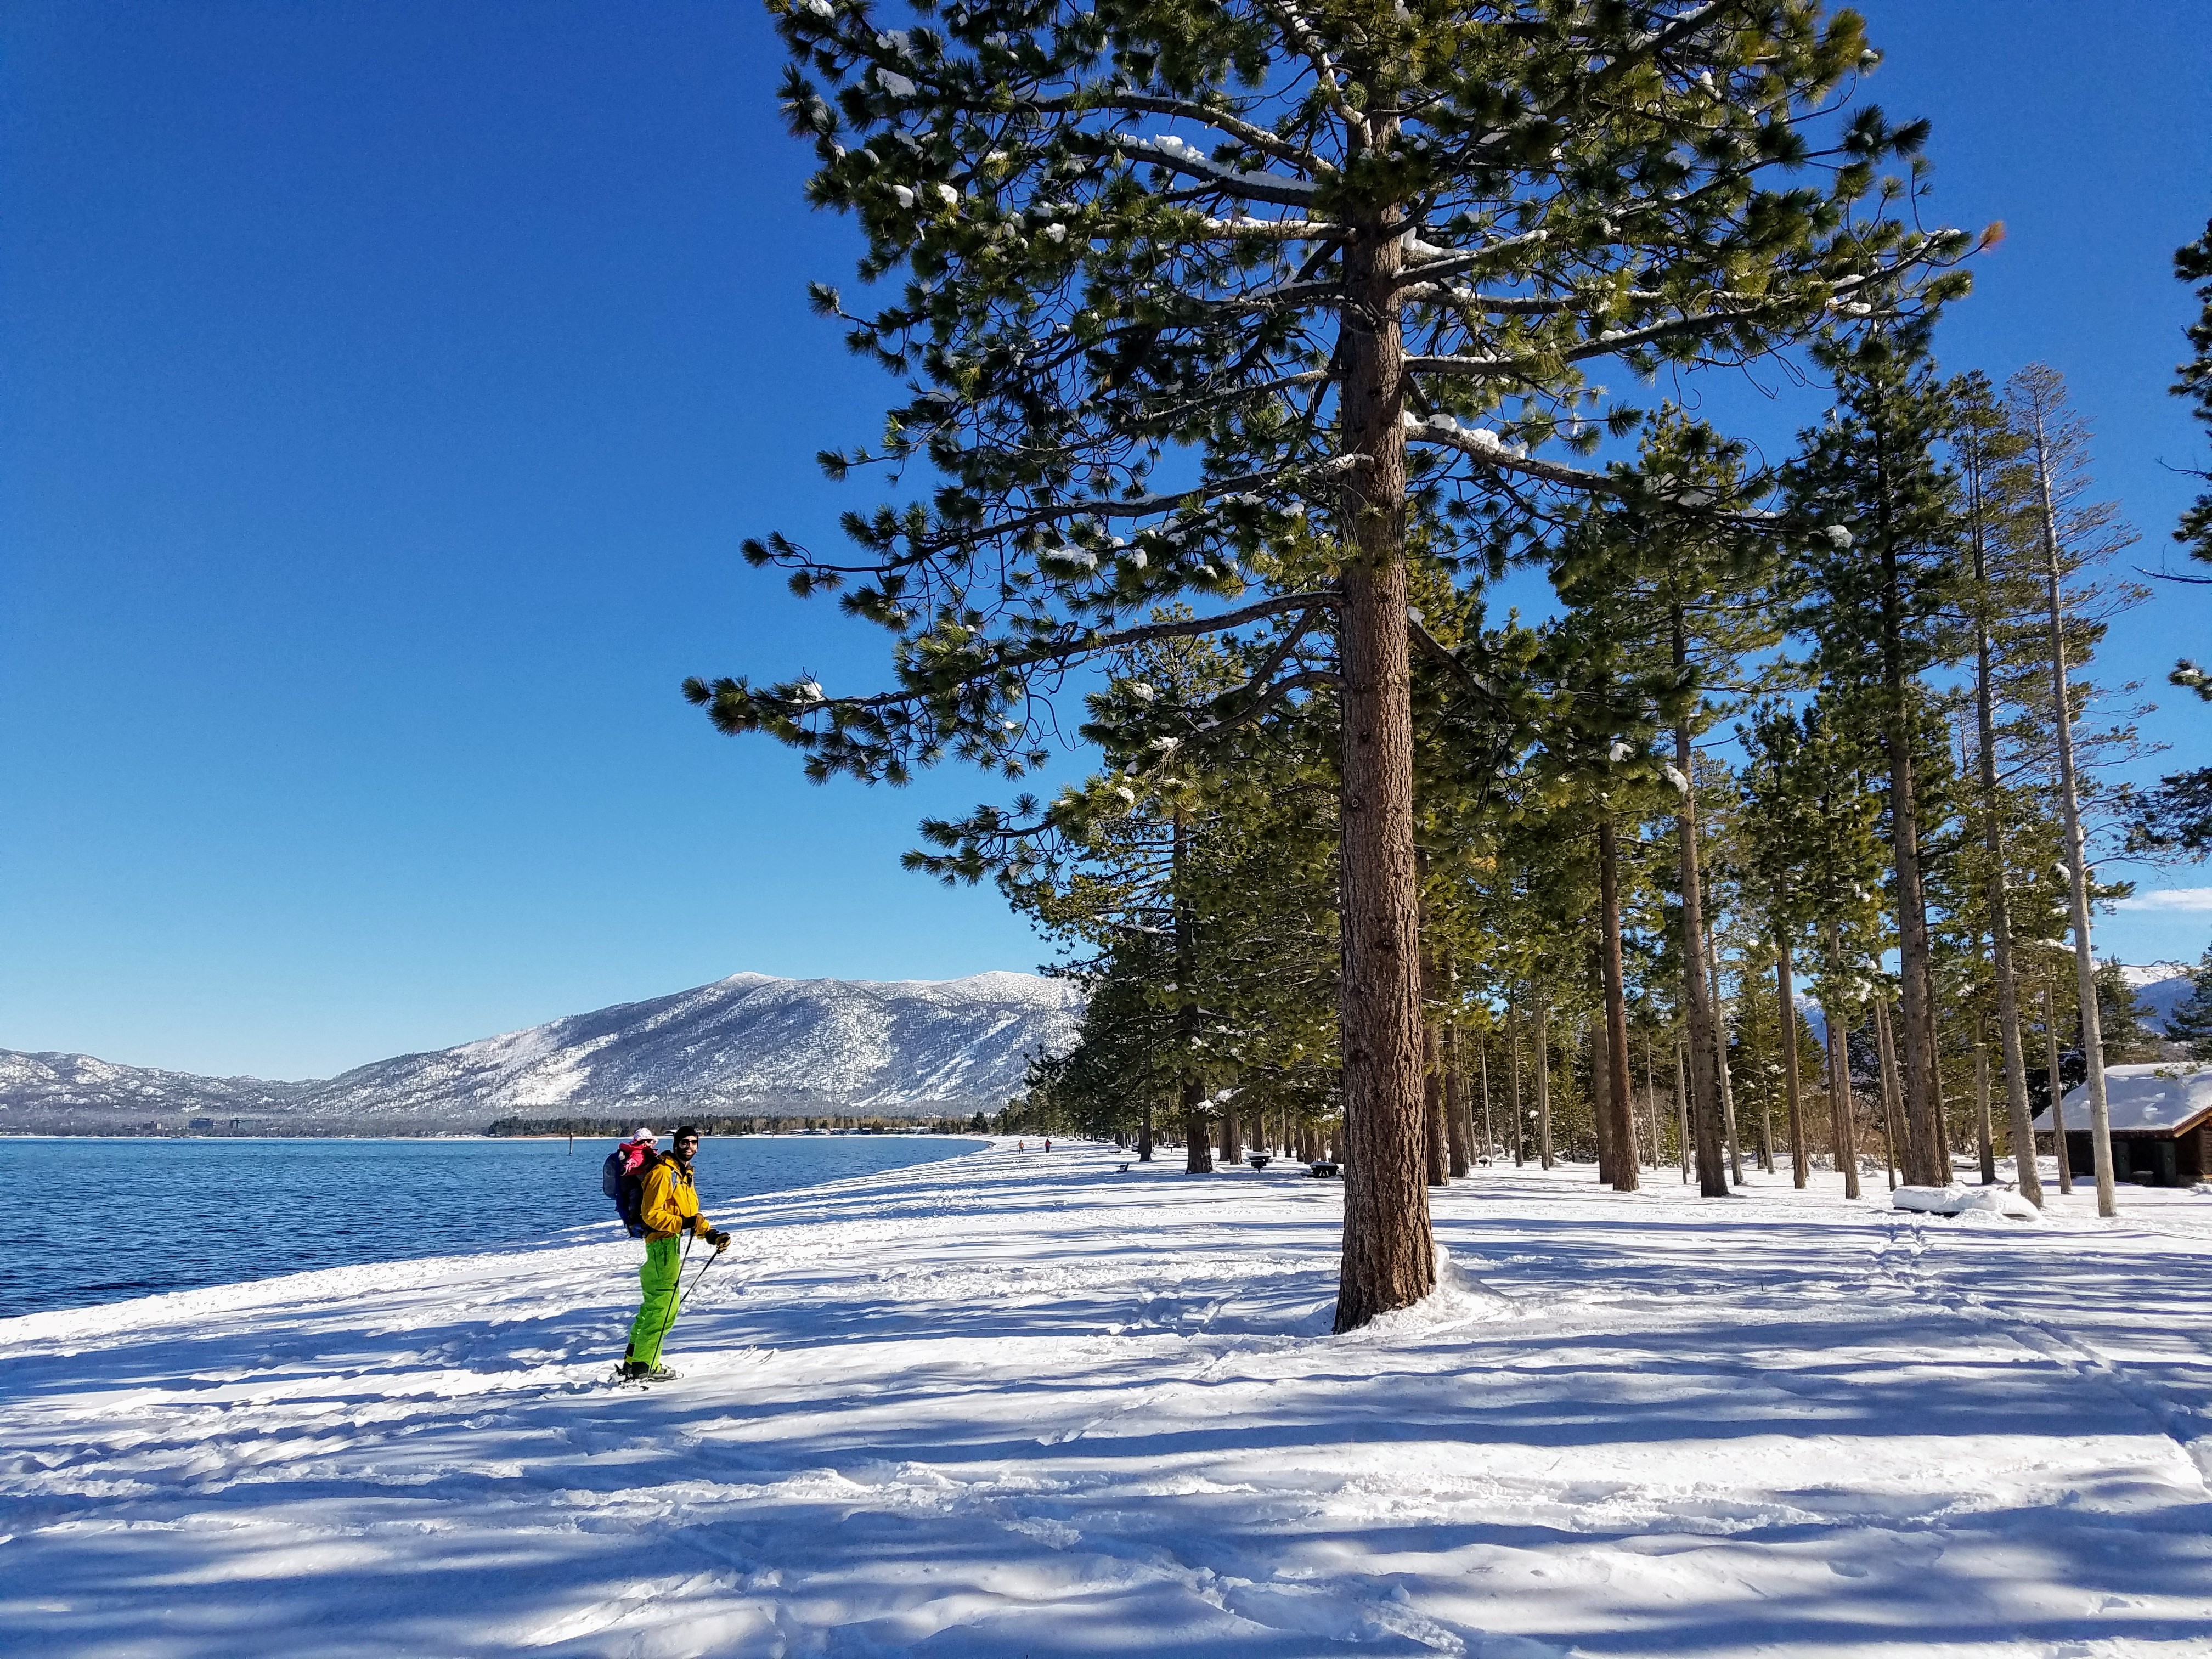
(668, 1208)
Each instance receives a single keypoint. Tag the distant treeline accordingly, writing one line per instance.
(617, 1127)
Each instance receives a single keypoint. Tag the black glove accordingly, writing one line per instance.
(720, 1241)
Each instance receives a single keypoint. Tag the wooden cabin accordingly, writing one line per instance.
(2161, 1117)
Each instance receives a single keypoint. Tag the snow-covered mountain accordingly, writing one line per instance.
(748, 1043)
(2160, 988)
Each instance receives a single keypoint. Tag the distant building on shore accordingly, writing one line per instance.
(2161, 1118)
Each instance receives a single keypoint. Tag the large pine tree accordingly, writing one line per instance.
(1207, 299)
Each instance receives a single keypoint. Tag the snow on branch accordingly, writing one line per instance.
(1249, 134)
(1178, 156)
(1484, 446)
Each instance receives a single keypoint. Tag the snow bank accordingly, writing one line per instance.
(1017, 1404)
(1965, 1201)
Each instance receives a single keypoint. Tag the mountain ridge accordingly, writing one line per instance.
(749, 1044)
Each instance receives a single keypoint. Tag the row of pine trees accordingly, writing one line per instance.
(1733, 764)
(1245, 351)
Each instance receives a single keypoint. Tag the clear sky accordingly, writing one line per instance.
(384, 391)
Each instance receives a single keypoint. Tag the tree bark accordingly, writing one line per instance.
(1617, 1103)
(1801, 1166)
(1704, 1089)
(1601, 1094)
(1197, 1132)
(1389, 1252)
(1232, 1136)
(1144, 1135)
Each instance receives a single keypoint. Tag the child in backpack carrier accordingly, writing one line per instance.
(621, 1178)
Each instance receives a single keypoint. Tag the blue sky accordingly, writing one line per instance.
(388, 386)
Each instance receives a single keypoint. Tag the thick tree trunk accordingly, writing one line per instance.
(1616, 1104)
(1389, 1253)
(1144, 1135)
(2056, 1085)
(1601, 1094)
(1801, 1166)
(1197, 1132)
(1704, 1087)
(1232, 1137)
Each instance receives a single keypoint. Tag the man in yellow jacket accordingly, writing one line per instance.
(669, 1207)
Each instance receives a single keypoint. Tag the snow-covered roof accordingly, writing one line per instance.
(2144, 1097)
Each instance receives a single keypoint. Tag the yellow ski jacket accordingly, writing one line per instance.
(669, 1202)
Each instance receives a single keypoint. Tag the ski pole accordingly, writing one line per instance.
(684, 1300)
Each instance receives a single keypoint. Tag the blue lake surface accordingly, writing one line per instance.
(89, 1220)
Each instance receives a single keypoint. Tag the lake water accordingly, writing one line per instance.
(88, 1220)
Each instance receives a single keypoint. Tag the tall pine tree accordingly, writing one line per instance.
(1191, 290)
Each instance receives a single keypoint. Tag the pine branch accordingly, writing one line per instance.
(1248, 133)
(1246, 186)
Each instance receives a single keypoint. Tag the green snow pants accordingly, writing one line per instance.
(657, 1277)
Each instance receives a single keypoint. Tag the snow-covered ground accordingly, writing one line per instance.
(1025, 1404)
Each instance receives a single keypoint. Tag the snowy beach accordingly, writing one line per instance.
(1019, 1403)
